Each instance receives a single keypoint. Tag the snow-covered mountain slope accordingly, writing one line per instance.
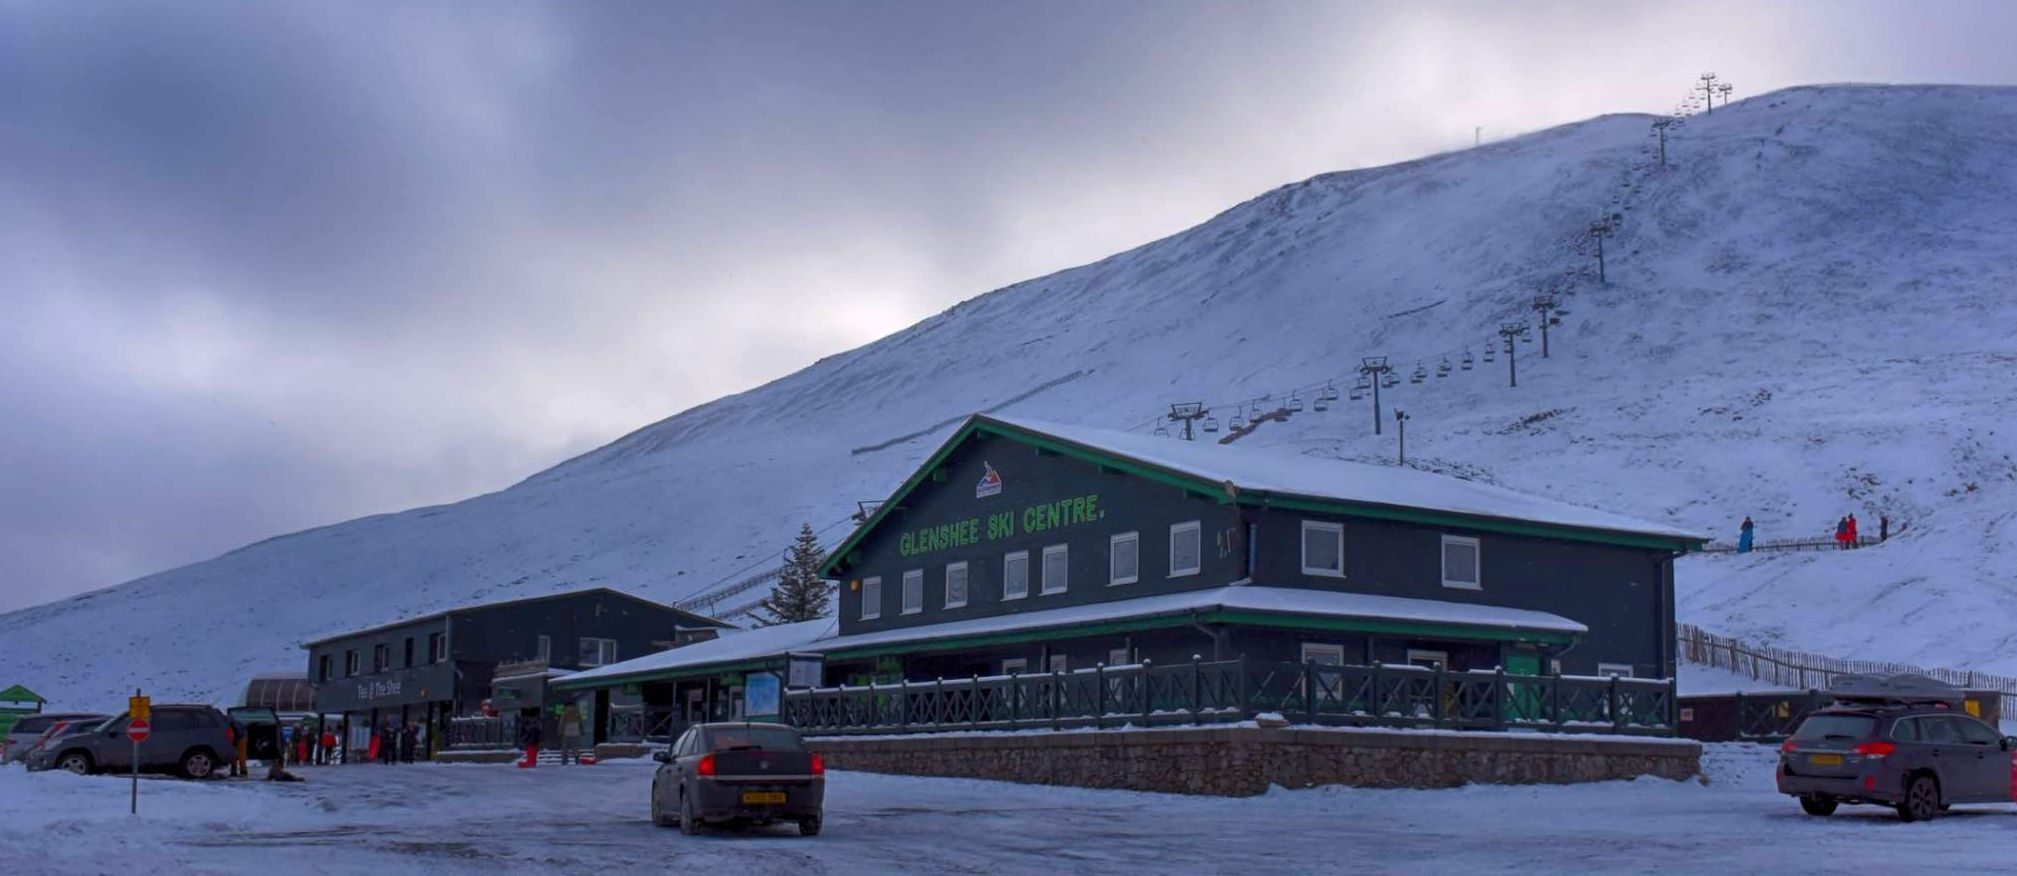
(1808, 314)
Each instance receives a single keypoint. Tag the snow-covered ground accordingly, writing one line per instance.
(1808, 315)
(488, 819)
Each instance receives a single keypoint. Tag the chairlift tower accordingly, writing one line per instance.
(1708, 87)
(1375, 367)
(1188, 413)
(1724, 89)
(1660, 126)
(1600, 229)
(1550, 314)
(1512, 331)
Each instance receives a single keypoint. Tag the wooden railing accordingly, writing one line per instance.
(1202, 692)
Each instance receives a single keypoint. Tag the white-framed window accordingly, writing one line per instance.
(1187, 549)
(955, 584)
(1425, 657)
(543, 649)
(1323, 654)
(871, 598)
(1015, 665)
(1621, 670)
(1124, 558)
(1059, 663)
(1015, 575)
(1057, 567)
(1119, 657)
(1460, 563)
(913, 591)
(349, 663)
(597, 652)
(1323, 549)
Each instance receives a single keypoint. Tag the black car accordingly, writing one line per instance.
(741, 774)
(1918, 754)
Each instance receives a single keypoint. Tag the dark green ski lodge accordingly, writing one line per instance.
(1025, 546)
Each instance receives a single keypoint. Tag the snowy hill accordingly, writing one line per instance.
(1808, 315)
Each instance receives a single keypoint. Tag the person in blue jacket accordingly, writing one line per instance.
(1744, 537)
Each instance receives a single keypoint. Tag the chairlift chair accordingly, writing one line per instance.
(1295, 404)
(1443, 370)
(1321, 403)
(1330, 392)
(1211, 424)
(1467, 360)
(1358, 393)
(1491, 354)
(1238, 423)
(1162, 432)
(1421, 374)
(1391, 380)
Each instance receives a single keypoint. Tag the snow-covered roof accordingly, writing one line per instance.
(1274, 471)
(820, 636)
(1233, 597)
(734, 646)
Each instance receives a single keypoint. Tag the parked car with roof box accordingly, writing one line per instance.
(741, 774)
(190, 740)
(23, 735)
(1899, 742)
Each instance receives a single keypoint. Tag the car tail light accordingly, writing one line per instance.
(705, 767)
(818, 765)
(1876, 749)
(1788, 745)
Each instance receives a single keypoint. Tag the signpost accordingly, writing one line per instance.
(139, 726)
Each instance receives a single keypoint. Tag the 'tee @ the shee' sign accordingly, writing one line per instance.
(378, 690)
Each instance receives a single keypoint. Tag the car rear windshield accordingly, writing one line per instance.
(35, 724)
(1836, 727)
(758, 738)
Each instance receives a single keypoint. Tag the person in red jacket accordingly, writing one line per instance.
(1852, 530)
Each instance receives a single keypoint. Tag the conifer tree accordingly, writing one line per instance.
(799, 594)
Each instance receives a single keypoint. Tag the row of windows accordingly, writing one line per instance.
(1324, 555)
(381, 657)
(1123, 567)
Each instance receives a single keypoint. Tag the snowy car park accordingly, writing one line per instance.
(494, 819)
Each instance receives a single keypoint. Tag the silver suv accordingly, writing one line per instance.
(1916, 757)
(191, 740)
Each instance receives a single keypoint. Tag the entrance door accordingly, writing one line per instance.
(1523, 700)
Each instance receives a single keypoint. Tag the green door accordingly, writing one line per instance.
(1523, 698)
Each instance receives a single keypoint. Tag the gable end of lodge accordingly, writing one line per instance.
(1021, 546)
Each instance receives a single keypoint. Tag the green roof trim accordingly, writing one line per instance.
(1193, 484)
(1242, 618)
(679, 673)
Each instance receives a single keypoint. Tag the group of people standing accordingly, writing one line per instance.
(530, 735)
(1846, 533)
(393, 743)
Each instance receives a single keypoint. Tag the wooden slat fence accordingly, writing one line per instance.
(1800, 670)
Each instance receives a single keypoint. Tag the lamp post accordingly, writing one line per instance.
(1375, 367)
(1511, 331)
(1401, 427)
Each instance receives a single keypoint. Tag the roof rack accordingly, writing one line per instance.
(1904, 688)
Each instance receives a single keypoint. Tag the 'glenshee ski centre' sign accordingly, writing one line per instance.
(1036, 518)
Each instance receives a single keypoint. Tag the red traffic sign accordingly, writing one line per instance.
(138, 729)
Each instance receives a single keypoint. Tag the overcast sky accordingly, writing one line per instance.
(269, 265)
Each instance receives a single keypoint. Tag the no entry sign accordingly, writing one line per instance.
(139, 729)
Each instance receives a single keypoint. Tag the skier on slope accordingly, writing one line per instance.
(1744, 536)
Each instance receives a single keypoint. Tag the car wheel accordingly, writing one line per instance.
(198, 764)
(1922, 799)
(689, 823)
(809, 826)
(77, 762)
(1817, 804)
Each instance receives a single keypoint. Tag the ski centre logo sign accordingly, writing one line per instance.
(1040, 517)
(990, 483)
(377, 690)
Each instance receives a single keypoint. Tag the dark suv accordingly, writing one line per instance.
(191, 740)
(1917, 757)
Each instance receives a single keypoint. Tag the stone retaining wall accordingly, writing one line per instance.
(1243, 761)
